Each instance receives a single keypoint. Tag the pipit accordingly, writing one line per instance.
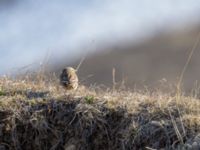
(69, 78)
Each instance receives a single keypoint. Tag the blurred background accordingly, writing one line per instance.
(145, 41)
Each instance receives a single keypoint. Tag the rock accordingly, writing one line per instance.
(195, 146)
(70, 147)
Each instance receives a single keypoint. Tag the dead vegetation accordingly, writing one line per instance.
(41, 115)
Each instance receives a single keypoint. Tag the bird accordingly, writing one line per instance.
(69, 78)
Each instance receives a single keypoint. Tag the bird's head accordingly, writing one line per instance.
(69, 69)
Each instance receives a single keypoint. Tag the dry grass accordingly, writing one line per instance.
(39, 114)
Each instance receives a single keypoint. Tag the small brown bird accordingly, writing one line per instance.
(69, 78)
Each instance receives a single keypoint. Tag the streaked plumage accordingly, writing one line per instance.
(69, 78)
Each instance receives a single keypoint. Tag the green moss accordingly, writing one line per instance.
(2, 93)
(89, 99)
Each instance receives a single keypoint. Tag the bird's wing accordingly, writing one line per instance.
(64, 79)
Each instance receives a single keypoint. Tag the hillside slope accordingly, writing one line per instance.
(39, 114)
